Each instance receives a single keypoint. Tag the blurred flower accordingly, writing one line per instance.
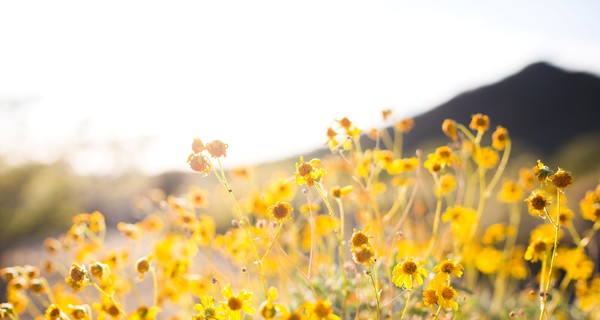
(408, 270)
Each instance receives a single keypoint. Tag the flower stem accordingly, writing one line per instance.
(223, 179)
(340, 246)
(373, 269)
(406, 305)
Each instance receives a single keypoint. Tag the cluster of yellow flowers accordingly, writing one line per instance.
(423, 245)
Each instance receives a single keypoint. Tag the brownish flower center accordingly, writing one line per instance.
(447, 293)
(429, 297)
(409, 267)
(447, 267)
(304, 169)
(280, 211)
(234, 304)
(321, 310)
(539, 246)
(76, 274)
(538, 202)
(217, 148)
(358, 239)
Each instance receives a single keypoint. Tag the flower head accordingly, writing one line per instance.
(537, 203)
(449, 128)
(280, 211)
(590, 205)
(541, 172)
(309, 172)
(405, 125)
(500, 138)
(363, 254)
(479, 122)
(235, 304)
(207, 310)
(562, 179)
(510, 192)
(200, 164)
(217, 148)
(408, 270)
(446, 296)
(321, 309)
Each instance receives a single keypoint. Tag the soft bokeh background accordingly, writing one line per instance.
(99, 101)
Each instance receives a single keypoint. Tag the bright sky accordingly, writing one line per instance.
(267, 77)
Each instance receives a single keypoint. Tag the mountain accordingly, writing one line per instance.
(543, 107)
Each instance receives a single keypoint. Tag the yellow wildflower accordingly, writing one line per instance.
(445, 185)
(77, 277)
(363, 254)
(538, 249)
(538, 203)
(405, 125)
(360, 238)
(446, 156)
(197, 197)
(430, 297)
(444, 270)
(516, 266)
(486, 157)
(269, 309)
(200, 164)
(526, 178)
(197, 145)
(496, 233)
(217, 148)
(461, 219)
(350, 129)
(408, 270)
(562, 179)
(53, 312)
(479, 122)
(331, 139)
(488, 260)
(403, 165)
(309, 172)
(280, 189)
(433, 163)
(446, 296)
(207, 310)
(590, 205)
(510, 192)
(320, 309)
(280, 211)
(236, 304)
(565, 215)
(144, 313)
(500, 138)
(449, 128)
(575, 263)
(541, 172)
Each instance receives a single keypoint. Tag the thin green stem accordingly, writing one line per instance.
(406, 305)
(223, 179)
(436, 222)
(500, 169)
(542, 281)
(437, 313)
(109, 296)
(340, 246)
(273, 242)
(372, 270)
(155, 286)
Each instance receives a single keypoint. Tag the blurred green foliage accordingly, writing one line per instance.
(36, 199)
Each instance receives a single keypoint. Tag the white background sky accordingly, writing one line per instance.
(267, 77)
